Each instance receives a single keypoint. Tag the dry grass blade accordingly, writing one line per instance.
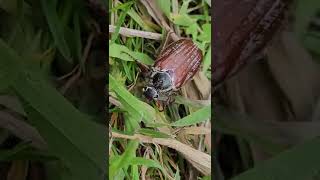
(203, 84)
(158, 16)
(295, 72)
(155, 12)
(135, 33)
(200, 160)
(113, 101)
(196, 130)
(22, 130)
(12, 103)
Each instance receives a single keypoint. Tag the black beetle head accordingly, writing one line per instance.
(150, 93)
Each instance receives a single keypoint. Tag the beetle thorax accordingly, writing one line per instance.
(161, 80)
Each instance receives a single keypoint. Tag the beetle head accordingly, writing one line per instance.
(150, 93)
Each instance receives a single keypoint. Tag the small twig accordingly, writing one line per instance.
(69, 73)
(134, 83)
(194, 8)
(70, 82)
(136, 33)
(79, 71)
(87, 50)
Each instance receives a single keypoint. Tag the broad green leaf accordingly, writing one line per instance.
(193, 30)
(56, 28)
(207, 60)
(200, 115)
(177, 175)
(56, 170)
(165, 6)
(58, 121)
(184, 7)
(124, 160)
(300, 162)
(206, 178)
(122, 52)
(312, 43)
(182, 19)
(26, 153)
(70, 146)
(137, 18)
(205, 36)
(304, 12)
(133, 106)
(146, 162)
(5, 154)
(131, 123)
(8, 63)
(135, 172)
(208, 2)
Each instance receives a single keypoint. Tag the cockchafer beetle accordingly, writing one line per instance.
(175, 66)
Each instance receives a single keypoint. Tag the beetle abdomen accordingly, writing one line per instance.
(182, 59)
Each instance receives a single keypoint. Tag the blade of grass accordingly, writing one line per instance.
(146, 162)
(131, 104)
(207, 61)
(77, 36)
(123, 53)
(55, 119)
(121, 20)
(152, 133)
(124, 160)
(165, 6)
(56, 28)
(201, 115)
(303, 160)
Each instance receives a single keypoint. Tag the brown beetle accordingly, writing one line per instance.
(176, 65)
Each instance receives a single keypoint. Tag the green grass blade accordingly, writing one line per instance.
(56, 28)
(120, 21)
(77, 37)
(132, 105)
(207, 60)
(152, 133)
(201, 115)
(124, 160)
(146, 162)
(136, 17)
(303, 160)
(123, 53)
(304, 12)
(165, 6)
(58, 121)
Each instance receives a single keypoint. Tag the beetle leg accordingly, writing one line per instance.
(160, 106)
(145, 70)
(162, 97)
(170, 98)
